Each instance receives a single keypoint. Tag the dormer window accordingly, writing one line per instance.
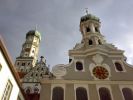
(88, 29)
(90, 42)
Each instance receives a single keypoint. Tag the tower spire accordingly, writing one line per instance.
(36, 27)
(86, 10)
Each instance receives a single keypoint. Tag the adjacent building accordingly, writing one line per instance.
(10, 86)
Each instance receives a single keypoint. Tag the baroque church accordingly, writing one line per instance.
(97, 70)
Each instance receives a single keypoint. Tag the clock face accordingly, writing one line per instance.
(100, 72)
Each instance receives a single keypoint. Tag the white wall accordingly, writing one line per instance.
(6, 74)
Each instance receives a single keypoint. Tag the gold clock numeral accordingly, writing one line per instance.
(100, 72)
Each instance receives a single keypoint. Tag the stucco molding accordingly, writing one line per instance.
(86, 82)
(98, 59)
(122, 65)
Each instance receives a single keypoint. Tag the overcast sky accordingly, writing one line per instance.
(58, 22)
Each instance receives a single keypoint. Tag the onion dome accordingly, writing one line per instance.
(34, 33)
(89, 17)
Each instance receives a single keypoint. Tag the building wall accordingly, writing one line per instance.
(5, 75)
(91, 87)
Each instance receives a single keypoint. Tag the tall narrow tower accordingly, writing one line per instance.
(29, 53)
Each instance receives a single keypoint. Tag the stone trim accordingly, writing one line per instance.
(79, 60)
(86, 82)
(122, 65)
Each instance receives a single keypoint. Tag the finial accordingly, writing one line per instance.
(86, 10)
(36, 27)
(41, 57)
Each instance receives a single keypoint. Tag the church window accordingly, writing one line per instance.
(42, 69)
(36, 74)
(58, 93)
(90, 42)
(37, 68)
(79, 66)
(41, 75)
(99, 42)
(81, 94)
(96, 29)
(23, 64)
(104, 94)
(29, 63)
(118, 66)
(88, 29)
(70, 60)
(18, 63)
(127, 93)
(7, 91)
(32, 51)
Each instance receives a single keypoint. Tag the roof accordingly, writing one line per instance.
(89, 17)
(11, 65)
(34, 32)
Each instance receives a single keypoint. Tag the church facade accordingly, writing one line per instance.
(97, 70)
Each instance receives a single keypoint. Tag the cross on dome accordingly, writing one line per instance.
(86, 10)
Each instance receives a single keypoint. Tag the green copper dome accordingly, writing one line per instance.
(89, 17)
(34, 32)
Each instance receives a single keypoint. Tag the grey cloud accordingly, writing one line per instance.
(58, 22)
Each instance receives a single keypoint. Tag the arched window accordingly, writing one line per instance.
(79, 66)
(18, 63)
(90, 42)
(96, 29)
(99, 42)
(28, 90)
(127, 93)
(58, 93)
(104, 94)
(70, 60)
(81, 94)
(118, 66)
(88, 29)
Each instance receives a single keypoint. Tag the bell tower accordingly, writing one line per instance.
(90, 30)
(29, 52)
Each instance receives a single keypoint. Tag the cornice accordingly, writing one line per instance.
(85, 82)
